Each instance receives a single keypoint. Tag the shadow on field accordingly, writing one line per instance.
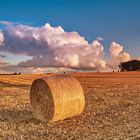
(18, 116)
(26, 116)
(4, 84)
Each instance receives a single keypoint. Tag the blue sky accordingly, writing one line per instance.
(113, 20)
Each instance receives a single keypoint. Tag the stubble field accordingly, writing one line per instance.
(112, 110)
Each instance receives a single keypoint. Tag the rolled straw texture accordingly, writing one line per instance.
(56, 98)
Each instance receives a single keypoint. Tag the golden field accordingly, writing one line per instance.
(112, 110)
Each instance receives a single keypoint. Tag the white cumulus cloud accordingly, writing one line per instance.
(117, 55)
(52, 46)
(49, 46)
(1, 38)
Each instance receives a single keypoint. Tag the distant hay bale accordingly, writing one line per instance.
(56, 98)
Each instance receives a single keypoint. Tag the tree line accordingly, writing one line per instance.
(132, 65)
(15, 73)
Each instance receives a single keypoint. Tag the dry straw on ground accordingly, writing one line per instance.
(56, 98)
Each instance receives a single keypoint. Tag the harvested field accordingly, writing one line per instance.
(112, 109)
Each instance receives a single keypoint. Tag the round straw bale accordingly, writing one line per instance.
(56, 98)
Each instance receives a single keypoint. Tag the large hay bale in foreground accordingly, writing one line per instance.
(56, 98)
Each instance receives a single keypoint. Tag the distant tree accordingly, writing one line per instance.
(15, 73)
(132, 65)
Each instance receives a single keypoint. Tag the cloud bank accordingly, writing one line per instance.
(53, 47)
(117, 55)
(1, 38)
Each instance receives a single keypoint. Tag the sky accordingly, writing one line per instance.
(105, 21)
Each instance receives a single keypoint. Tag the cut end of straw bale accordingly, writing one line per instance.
(56, 98)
